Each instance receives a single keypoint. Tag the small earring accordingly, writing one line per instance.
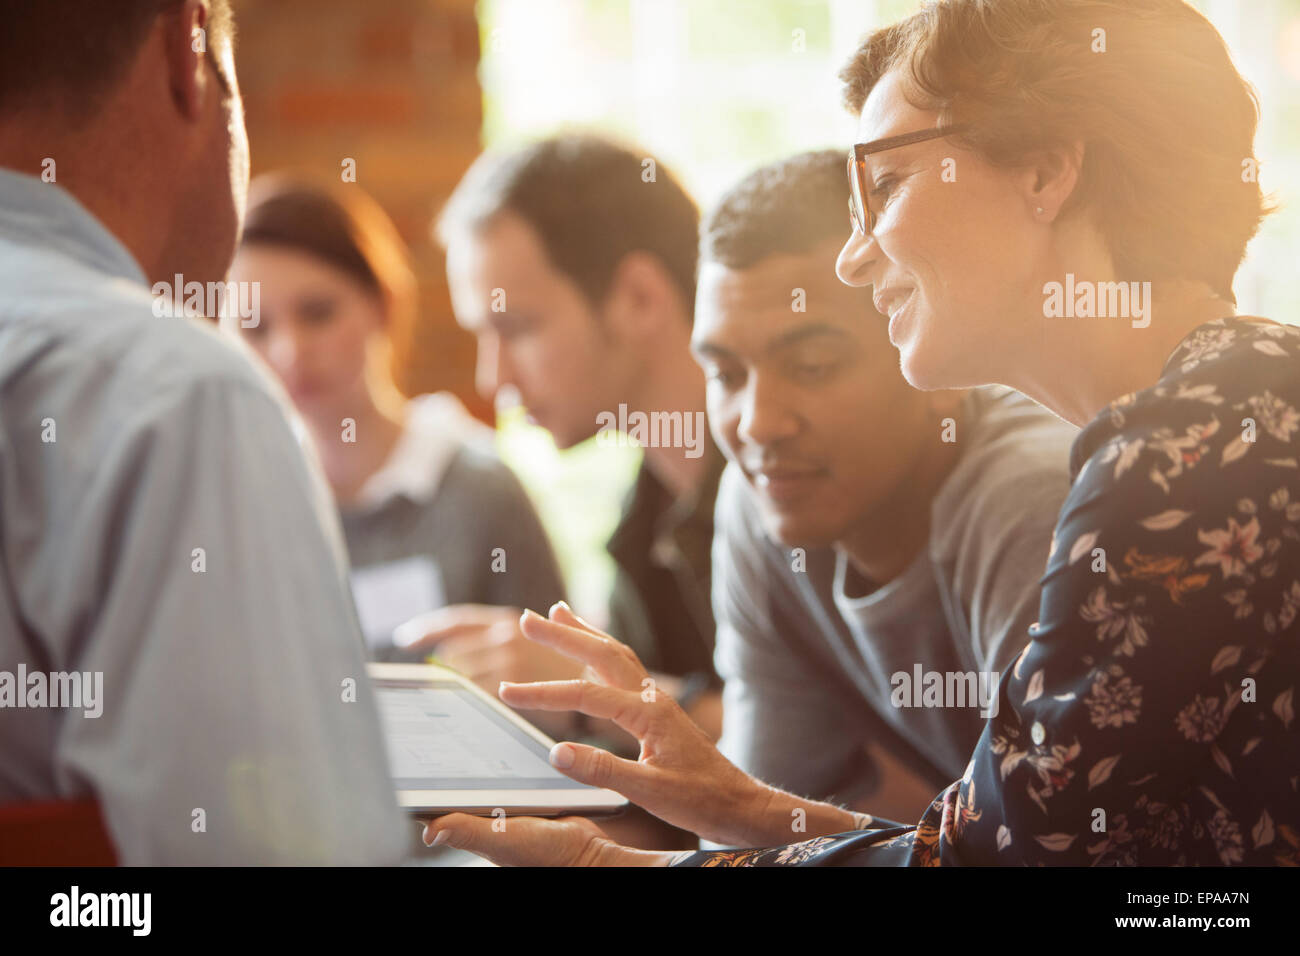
(1039, 210)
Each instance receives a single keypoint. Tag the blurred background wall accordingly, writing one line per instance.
(392, 85)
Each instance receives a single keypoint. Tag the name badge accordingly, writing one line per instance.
(392, 593)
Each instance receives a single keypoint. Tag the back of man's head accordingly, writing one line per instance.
(132, 106)
(67, 56)
(590, 201)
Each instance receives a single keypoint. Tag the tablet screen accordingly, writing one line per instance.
(442, 736)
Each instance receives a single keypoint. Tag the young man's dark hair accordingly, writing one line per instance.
(67, 55)
(787, 207)
(591, 202)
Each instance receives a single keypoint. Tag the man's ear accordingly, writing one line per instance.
(185, 41)
(642, 297)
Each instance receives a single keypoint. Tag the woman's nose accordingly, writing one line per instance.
(855, 260)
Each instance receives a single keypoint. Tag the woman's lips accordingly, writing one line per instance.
(898, 310)
(887, 299)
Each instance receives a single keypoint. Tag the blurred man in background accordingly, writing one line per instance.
(159, 526)
(572, 260)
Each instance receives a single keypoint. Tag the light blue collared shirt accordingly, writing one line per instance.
(159, 525)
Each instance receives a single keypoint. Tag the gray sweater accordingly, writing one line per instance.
(448, 523)
(813, 675)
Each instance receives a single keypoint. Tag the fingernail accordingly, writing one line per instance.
(561, 605)
(562, 756)
(442, 837)
(529, 613)
(424, 837)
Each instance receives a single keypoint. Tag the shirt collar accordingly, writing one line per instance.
(653, 519)
(37, 213)
(1207, 340)
(436, 427)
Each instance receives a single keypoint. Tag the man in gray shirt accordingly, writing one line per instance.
(878, 548)
(162, 538)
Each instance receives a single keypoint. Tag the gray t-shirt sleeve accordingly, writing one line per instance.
(238, 725)
(782, 722)
(994, 534)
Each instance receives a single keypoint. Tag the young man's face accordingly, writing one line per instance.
(810, 404)
(537, 333)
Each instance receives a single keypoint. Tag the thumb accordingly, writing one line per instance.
(463, 831)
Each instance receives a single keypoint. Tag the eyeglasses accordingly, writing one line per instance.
(861, 214)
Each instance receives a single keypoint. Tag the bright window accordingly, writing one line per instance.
(715, 88)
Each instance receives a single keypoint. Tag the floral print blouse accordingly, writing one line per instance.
(1151, 718)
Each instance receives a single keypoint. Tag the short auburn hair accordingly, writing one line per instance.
(341, 227)
(1167, 122)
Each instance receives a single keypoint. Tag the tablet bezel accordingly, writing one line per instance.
(586, 801)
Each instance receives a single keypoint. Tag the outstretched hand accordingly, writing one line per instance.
(680, 776)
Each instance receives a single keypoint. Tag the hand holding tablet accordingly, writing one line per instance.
(451, 748)
(680, 776)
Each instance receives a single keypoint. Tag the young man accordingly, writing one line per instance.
(878, 547)
(876, 559)
(168, 559)
(573, 262)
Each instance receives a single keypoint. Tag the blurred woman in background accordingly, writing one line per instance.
(431, 516)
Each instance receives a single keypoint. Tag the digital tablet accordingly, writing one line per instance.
(453, 748)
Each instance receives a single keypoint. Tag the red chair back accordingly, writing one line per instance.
(57, 833)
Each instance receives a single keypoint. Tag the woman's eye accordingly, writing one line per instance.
(884, 188)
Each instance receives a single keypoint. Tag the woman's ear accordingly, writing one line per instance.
(1050, 179)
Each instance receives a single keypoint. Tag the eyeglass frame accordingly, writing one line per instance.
(859, 189)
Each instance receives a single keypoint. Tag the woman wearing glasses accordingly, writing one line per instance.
(1053, 195)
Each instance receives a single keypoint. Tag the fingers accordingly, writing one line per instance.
(600, 768)
(486, 663)
(613, 662)
(477, 639)
(463, 831)
(454, 829)
(516, 841)
(431, 629)
(624, 707)
(563, 614)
